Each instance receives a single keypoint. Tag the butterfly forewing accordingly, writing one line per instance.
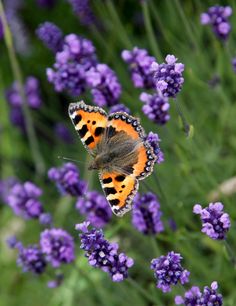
(90, 123)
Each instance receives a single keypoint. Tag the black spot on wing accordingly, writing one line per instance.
(107, 180)
(82, 132)
(110, 190)
(111, 131)
(120, 178)
(77, 119)
(114, 202)
(98, 131)
(89, 140)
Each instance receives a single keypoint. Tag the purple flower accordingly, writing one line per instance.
(191, 297)
(32, 92)
(95, 207)
(51, 35)
(105, 87)
(215, 222)
(58, 246)
(156, 107)
(83, 9)
(217, 16)
(45, 219)
(31, 258)
(46, 3)
(168, 271)
(12, 242)
(56, 282)
(67, 178)
(72, 63)
(23, 199)
(195, 297)
(146, 214)
(168, 77)
(210, 296)
(5, 187)
(103, 254)
(63, 133)
(154, 141)
(119, 108)
(140, 67)
(18, 29)
(234, 64)
(1, 29)
(17, 118)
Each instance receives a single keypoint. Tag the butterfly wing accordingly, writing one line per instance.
(119, 190)
(143, 165)
(90, 123)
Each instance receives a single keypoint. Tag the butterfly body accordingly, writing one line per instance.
(120, 153)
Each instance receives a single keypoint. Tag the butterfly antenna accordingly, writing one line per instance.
(70, 159)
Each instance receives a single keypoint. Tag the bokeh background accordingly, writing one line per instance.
(194, 166)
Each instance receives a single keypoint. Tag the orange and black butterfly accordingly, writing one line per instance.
(119, 150)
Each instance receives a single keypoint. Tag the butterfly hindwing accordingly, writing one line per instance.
(119, 190)
(90, 123)
(146, 158)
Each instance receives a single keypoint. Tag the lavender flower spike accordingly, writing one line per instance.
(156, 107)
(140, 67)
(191, 297)
(67, 179)
(58, 246)
(119, 108)
(154, 141)
(72, 62)
(30, 258)
(210, 296)
(194, 297)
(217, 16)
(23, 199)
(146, 214)
(32, 92)
(168, 271)
(95, 207)
(233, 62)
(168, 76)
(63, 133)
(215, 222)
(50, 35)
(103, 254)
(83, 10)
(104, 84)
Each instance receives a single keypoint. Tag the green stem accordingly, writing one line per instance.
(150, 32)
(141, 290)
(154, 245)
(157, 181)
(186, 126)
(93, 285)
(88, 174)
(120, 30)
(230, 253)
(6, 150)
(33, 143)
(186, 24)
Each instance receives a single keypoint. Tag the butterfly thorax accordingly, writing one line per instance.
(116, 155)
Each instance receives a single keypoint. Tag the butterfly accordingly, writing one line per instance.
(119, 150)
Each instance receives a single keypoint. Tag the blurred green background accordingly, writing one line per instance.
(193, 167)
